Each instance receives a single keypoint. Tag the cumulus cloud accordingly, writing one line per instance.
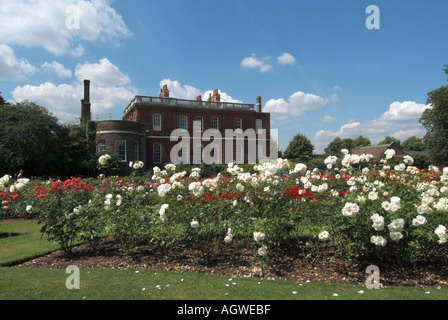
(297, 103)
(64, 100)
(327, 119)
(254, 62)
(103, 73)
(190, 93)
(13, 68)
(286, 58)
(58, 26)
(401, 120)
(57, 68)
(180, 91)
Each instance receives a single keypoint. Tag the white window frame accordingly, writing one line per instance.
(183, 122)
(215, 124)
(199, 124)
(155, 126)
(240, 121)
(101, 145)
(118, 150)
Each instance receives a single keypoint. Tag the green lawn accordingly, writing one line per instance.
(131, 284)
(23, 241)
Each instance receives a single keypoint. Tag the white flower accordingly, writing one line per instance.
(162, 211)
(419, 221)
(396, 225)
(170, 166)
(396, 236)
(194, 224)
(239, 187)
(103, 159)
(408, 160)
(259, 236)
(350, 210)
(119, 200)
(373, 195)
(344, 151)
(378, 222)
(229, 237)
(29, 208)
(378, 241)
(324, 235)
(440, 231)
(263, 251)
(300, 169)
(163, 189)
(389, 153)
(196, 188)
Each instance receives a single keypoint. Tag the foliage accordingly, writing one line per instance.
(30, 133)
(389, 211)
(413, 144)
(434, 119)
(389, 140)
(299, 149)
(334, 147)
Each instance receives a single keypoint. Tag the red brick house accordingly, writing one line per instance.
(160, 130)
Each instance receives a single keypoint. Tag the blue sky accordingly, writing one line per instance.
(319, 70)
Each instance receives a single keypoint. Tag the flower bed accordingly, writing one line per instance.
(357, 208)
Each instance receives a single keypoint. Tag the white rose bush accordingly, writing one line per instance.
(358, 208)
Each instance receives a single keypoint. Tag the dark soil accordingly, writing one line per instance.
(238, 260)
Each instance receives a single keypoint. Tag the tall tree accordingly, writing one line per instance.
(413, 144)
(389, 140)
(300, 149)
(334, 147)
(2, 101)
(435, 121)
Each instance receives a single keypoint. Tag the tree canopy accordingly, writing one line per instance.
(435, 121)
(334, 147)
(33, 140)
(300, 149)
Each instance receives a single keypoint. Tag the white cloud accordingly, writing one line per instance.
(109, 89)
(286, 58)
(401, 120)
(327, 119)
(180, 91)
(297, 103)
(224, 96)
(103, 73)
(13, 68)
(190, 93)
(58, 68)
(254, 62)
(336, 87)
(49, 24)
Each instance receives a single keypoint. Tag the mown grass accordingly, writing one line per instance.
(132, 284)
(21, 240)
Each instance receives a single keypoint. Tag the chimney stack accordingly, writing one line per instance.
(85, 103)
(216, 96)
(164, 93)
(258, 104)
